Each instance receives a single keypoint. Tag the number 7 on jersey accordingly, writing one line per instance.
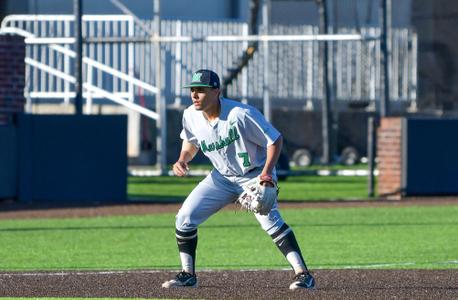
(245, 157)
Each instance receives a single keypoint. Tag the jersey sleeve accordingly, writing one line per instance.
(258, 130)
(186, 133)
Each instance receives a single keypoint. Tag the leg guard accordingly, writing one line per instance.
(286, 241)
(187, 244)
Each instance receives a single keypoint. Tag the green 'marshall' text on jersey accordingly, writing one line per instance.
(236, 143)
(223, 142)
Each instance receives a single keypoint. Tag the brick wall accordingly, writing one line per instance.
(389, 157)
(12, 77)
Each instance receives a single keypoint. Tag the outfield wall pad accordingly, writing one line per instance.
(67, 159)
(430, 156)
(8, 162)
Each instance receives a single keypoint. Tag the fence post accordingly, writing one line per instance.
(178, 66)
(326, 121)
(78, 11)
(265, 47)
(386, 49)
(88, 91)
(371, 149)
(161, 109)
(67, 67)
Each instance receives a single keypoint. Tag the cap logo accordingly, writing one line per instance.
(196, 77)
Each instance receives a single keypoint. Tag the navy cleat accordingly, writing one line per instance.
(303, 280)
(183, 279)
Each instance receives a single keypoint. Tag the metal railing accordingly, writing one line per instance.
(45, 28)
(91, 67)
(295, 68)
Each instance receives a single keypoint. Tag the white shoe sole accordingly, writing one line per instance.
(175, 284)
(293, 286)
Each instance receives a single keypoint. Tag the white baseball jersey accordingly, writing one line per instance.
(236, 142)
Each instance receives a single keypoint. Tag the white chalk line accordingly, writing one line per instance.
(84, 273)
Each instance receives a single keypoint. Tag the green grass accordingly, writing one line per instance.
(161, 188)
(294, 188)
(330, 238)
(333, 167)
(323, 187)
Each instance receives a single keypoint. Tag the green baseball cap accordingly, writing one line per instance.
(204, 78)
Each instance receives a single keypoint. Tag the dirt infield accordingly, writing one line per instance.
(331, 284)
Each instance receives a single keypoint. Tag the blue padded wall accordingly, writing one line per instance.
(430, 156)
(8, 162)
(68, 159)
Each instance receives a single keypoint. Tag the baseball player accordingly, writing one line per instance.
(242, 146)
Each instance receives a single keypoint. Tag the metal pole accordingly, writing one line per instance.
(326, 105)
(77, 11)
(332, 65)
(386, 49)
(265, 47)
(371, 149)
(161, 123)
(178, 67)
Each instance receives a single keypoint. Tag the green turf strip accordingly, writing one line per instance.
(330, 238)
(68, 298)
(175, 189)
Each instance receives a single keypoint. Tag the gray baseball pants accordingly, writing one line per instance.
(215, 192)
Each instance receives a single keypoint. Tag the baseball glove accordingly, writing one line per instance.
(258, 198)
